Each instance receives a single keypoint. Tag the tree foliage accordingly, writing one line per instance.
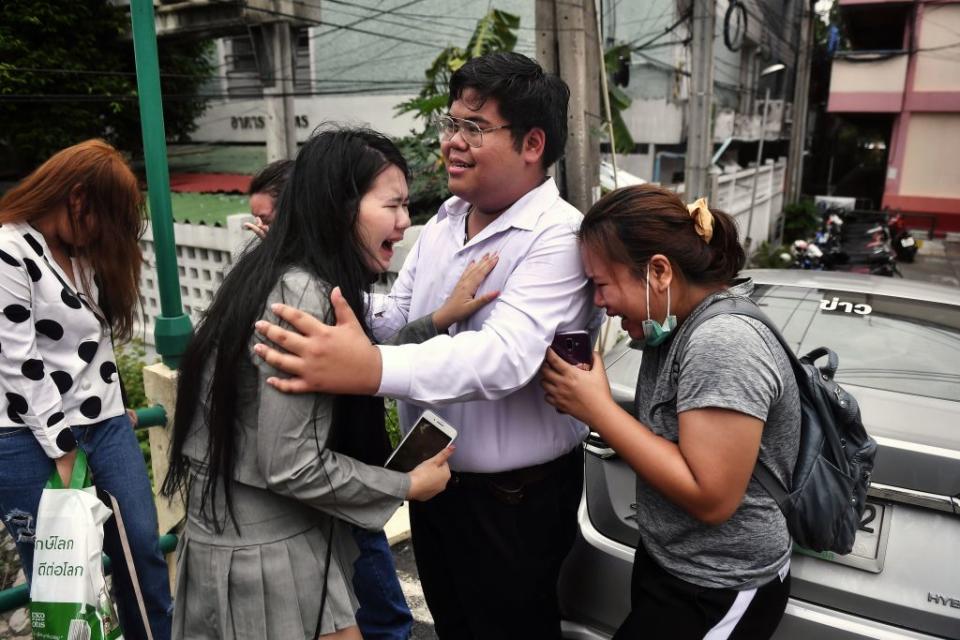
(770, 256)
(67, 74)
(428, 186)
(801, 220)
(614, 59)
(130, 364)
(494, 32)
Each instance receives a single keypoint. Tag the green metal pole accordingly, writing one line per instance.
(172, 330)
(155, 416)
(17, 597)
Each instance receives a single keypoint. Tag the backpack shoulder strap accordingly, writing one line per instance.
(742, 307)
(746, 307)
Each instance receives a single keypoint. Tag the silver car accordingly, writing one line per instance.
(899, 348)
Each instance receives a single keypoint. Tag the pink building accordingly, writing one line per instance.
(903, 69)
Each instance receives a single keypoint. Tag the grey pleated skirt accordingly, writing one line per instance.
(266, 581)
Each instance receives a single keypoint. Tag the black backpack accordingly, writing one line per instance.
(827, 497)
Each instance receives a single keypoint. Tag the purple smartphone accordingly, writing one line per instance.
(574, 347)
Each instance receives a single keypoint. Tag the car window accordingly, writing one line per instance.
(887, 343)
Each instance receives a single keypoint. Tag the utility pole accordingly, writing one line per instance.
(801, 103)
(571, 52)
(699, 131)
(278, 96)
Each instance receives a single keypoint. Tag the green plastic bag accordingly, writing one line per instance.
(68, 595)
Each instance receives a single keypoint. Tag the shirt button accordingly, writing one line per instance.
(86, 385)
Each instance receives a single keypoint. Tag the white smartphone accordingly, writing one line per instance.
(427, 438)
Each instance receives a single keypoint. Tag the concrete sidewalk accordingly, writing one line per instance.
(398, 527)
(398, 533)
(937, 261)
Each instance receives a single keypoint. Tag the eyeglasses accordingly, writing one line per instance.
(470, 131)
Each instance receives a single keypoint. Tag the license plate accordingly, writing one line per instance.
(870, 545)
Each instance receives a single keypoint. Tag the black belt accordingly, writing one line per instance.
(510, 486)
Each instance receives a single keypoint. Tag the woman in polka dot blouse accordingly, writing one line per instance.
(69, 284)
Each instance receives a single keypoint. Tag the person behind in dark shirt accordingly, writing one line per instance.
(265, 188)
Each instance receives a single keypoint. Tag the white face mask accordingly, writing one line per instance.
(654, 333)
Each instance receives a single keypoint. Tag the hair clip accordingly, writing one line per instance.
(702, 219)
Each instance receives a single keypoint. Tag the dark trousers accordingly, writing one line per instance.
(489, 550)
(665, 607)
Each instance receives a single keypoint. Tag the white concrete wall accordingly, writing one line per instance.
(656, 121)
(887, 76)
(930, 166)
(245, 120)
(732, 192)
(938, 61)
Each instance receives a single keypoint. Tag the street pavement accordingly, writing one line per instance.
(398, 533)
(410, 583)
(937, 261)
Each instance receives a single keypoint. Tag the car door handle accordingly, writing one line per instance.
(595, 445)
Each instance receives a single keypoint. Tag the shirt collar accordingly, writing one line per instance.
(522, 214)
(86, 286)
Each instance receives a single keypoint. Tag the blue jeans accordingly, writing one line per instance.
(383, 613)
(117, 467)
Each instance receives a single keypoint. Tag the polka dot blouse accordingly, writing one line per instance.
(57, 367)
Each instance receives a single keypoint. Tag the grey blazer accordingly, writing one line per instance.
(264, 578)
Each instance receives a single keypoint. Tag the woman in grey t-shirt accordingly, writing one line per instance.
(713, 556)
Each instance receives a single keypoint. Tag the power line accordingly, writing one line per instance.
(952, 45)
(378, 12)
(372, 60)
(420, 25)
(343, 26)
(183, 75)
(83, 97)
(655, 62)
(376, 58)
(659, 45)
(646, 43)
(647, 17)
(390, 47)
(775, 32)
(940, 24)
(414, 24)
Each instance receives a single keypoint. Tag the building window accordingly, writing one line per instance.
(876, 27)
(243, 77)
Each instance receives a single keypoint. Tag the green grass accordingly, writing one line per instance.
(206, 208)
(212, 158)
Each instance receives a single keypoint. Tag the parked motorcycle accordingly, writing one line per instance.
(858, 241)
(904, 244)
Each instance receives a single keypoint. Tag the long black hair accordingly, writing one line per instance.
(316, 230)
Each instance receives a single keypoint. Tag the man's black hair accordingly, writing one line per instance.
(527, 97)
(271, 178)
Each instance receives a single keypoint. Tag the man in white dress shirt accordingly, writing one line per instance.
(489, 548)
